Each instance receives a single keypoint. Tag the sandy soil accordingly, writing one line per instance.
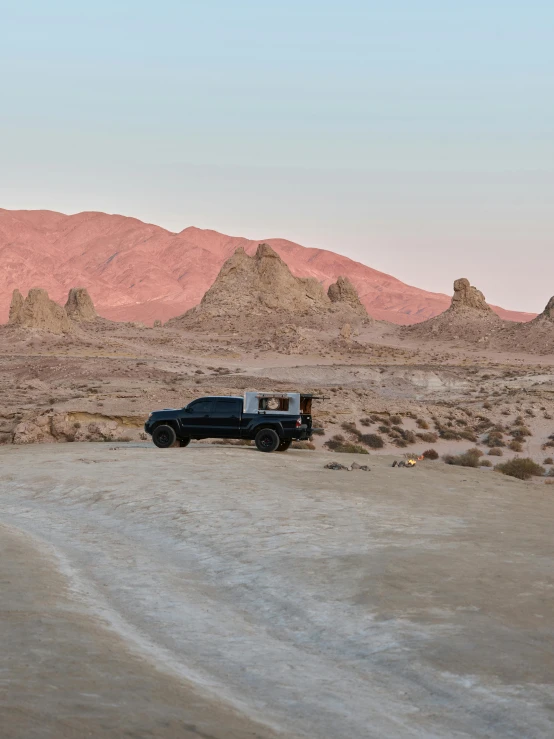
(219, 592)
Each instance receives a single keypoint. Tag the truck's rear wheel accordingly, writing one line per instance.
(184, 442)
(267, 440)
(164, 436)
(284, 445)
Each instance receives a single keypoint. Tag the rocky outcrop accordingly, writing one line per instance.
(253, 292)
(343, 291)
(79, 306)
(467, 297)
(548, 312)
(37, 311)
(15, 306)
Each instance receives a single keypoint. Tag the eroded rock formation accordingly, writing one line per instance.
(467, 297)
(37, 311)
(79, 306)
(343, 291)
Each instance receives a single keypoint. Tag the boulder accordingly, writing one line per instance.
(79, 306)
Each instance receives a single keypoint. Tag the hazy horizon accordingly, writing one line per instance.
(413, 137)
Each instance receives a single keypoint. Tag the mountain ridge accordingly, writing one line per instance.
(142, 272)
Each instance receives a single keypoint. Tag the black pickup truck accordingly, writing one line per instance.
(272, 420)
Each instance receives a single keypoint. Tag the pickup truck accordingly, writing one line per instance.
(272, 420)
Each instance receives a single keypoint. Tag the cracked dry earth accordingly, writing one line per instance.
(220, 592)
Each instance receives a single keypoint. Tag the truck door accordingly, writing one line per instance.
(196, 420)
(226, 416)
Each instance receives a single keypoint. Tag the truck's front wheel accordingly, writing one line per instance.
(164, 436)
(267, 440)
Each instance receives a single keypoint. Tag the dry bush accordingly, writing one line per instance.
(422, 424)
(515, 446)
(495, 452)
(548, 460)
(366, 421)
(520, 432)
(396, 420)
(374, 441)
(485, 463)
(494, 439)
(303, 445)
(431, 454)
(429, 437)
(467, 459)
(521, 467)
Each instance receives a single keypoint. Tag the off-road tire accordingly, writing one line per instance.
(184, 442)
(267, 440)
(284, 445)
(164, 436)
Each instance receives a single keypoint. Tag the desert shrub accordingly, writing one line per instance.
(422, 424)
(449, 435)
(376, 419)
(529, 412)
(549, 482)
(430, 454)
(468, 435)
(338, 444)
(318, 431)
(521, 467)
(515, 446)
(350, 448)
(548, 416)
(467, 459)
(384, 429)
(494, 439)
(548, 460)
(487, 406)
(428, 436)
(349, 426)
(335, 441)
(400, 442)
(372, 440)
(409, 436)
(519, 421)
(520, 432)
(461, 422)
(485, 463)
(396, 420)
(397, 428)
(495, 452)
(303, 445)
(366, 421)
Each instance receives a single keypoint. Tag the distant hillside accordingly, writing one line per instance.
(141, 272)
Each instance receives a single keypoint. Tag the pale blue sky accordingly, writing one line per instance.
(416, 136)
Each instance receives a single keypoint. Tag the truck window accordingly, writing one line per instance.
(201, 406)
(228, 407)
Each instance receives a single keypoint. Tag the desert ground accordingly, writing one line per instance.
(215, 591)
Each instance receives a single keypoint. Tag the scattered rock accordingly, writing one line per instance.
(336, 466)
(79, 306)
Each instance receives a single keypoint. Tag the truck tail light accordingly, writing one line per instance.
(298, 423)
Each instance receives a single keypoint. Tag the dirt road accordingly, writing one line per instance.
(220, 592)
